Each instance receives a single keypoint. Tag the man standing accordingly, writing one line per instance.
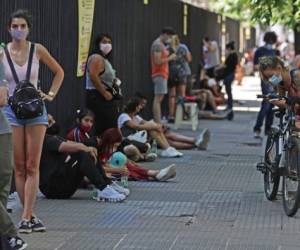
(8, 232)
(160, 58)
(211, 56)
(265, 111)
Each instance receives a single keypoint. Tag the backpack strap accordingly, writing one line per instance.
(30, 62)
(11, 65)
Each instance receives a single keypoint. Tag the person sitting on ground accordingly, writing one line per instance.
(177, 140)
(64, 164)
(110, 142)
(134, 150)
(130, 123)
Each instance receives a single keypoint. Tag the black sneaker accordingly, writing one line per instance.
(37, 225)
(16, 243)
(25, 227)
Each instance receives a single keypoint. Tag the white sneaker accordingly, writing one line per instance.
(13, 202)
(177, 152)
(170, 153)
(203, 139)
(120, 189)
(166, 173)
(108, 194)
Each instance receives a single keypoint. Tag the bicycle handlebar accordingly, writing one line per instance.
(289, 100)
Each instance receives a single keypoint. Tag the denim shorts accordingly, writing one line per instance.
(13, 121)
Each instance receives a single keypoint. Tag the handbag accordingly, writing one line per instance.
(26, 101)
(114, 89)
(140, 136)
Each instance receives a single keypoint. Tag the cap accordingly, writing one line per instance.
(117, 160)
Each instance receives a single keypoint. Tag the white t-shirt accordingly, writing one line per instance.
(123, 118)
(212, 57)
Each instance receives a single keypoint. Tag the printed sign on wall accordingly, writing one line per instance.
(85, 26)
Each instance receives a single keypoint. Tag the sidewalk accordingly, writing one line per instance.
(216, 201)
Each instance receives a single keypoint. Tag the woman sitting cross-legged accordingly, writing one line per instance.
(110, 142)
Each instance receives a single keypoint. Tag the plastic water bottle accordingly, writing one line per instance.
(94, 194)
(124, 181)
(154, 147)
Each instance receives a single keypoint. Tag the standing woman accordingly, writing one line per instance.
(179, 70)
(28, 134)
(230, 65)
(99, 75)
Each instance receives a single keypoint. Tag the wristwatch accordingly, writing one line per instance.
(51, 94)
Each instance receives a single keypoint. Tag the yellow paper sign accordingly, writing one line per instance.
(85, 26)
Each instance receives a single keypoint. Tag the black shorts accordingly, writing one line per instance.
(174, 82)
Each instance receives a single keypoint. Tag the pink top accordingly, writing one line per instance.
(21, 70)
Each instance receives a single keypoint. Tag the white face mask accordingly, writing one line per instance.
(19, 34)
(105, 48)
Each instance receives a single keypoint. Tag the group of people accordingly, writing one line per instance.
(171, 74)
(104, 144)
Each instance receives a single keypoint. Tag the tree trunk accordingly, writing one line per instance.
(297, 40)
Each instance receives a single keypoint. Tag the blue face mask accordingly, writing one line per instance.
(275, 80)
(269, 46)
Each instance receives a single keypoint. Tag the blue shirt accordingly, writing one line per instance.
(263, 51)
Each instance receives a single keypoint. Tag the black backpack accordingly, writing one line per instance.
(26, 101)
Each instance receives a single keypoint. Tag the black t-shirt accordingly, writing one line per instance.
(51, 158)
(231, 62)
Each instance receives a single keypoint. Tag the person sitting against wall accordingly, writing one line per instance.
(100, 77)
(130, 123)
(81, 132)
(209, 92)
(110, 142)
(64, 164)
(177, 140)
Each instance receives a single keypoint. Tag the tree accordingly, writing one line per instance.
(265, 12)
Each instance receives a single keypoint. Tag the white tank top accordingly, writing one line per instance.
(21, 70)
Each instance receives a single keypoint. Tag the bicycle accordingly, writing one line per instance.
(283, 141)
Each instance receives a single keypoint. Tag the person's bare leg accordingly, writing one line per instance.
(211, 100)
(19, 156)
(181, 90)
(203, 97)
(179, 138)
(134, 152)
(172, 102)
(153, 173)
(34, 136)
(181, 145)
(157, 107)
(160, 138)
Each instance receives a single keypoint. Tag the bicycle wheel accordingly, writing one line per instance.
(290, 182)
(271, 179)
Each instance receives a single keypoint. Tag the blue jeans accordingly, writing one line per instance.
(227, 82)
(265, 111)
